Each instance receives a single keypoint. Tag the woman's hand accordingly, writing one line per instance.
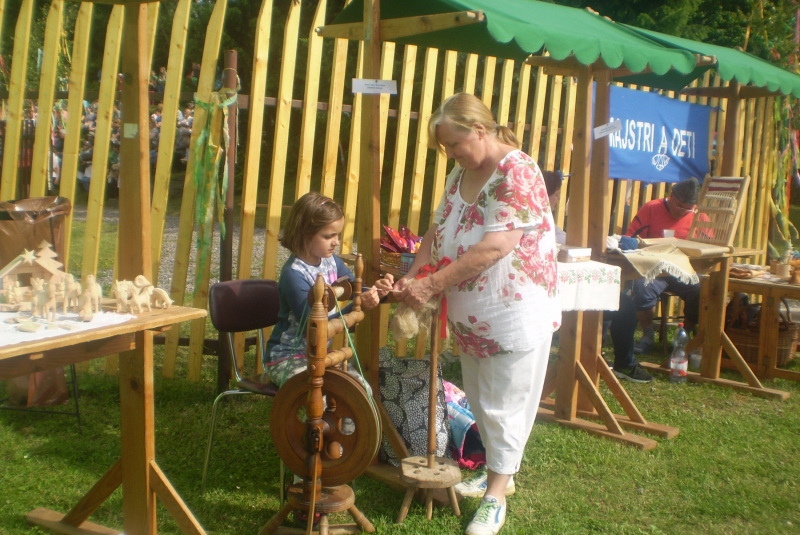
(417, 294)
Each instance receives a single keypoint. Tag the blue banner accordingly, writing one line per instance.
(661, 140)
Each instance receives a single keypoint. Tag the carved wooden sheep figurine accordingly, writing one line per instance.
(72, 292)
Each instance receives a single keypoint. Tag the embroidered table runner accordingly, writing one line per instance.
(588, 286)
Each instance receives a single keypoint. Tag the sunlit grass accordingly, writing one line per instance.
(734, 468)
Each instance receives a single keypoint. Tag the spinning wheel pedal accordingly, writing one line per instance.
(331, 499)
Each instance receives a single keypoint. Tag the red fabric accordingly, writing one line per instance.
(653, 218)
(426, 270)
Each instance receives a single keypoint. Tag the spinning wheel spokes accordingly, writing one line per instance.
(351, 432)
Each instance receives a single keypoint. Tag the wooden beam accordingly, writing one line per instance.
(401, 135)
(281, 140)
(205, 85)
(42, 156)
(19, 68)
(570, 63)
(102, 135)
(310, 98)
(72, 139)
(440, 159)
(392, 29)
(745, 92)
(353, 163)
(252, 158)
(330, 155)
(168, 129)
(421, 149)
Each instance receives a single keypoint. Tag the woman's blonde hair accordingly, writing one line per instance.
(463, 111)
(307, 216)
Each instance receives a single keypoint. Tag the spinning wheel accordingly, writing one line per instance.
(325, 427)
(351, 428)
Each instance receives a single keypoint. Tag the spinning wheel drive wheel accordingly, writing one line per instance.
(352, 428)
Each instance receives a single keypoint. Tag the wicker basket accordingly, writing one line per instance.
(391, 259)
(746, 340)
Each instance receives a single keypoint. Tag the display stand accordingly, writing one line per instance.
(136, 471)
(575, 376)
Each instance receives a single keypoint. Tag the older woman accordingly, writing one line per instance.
(495, 228)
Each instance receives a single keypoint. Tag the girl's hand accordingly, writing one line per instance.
(369, 299)
(384, 285)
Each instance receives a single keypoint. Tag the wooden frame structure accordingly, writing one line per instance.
(538, 103)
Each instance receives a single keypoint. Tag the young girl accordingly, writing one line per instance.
(312, 234)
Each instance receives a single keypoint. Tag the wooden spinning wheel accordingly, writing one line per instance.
(325, 427)
(351, 428)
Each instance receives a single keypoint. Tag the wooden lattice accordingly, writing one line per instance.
(719, 207)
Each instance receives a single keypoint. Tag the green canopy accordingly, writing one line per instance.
(731, 63)
(517, 28)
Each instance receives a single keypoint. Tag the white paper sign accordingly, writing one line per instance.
(374, 87)
(129, 130)
(609, 128)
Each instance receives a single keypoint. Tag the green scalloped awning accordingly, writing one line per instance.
(517, 28)
(731, 63)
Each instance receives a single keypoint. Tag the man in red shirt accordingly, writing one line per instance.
(674, 213)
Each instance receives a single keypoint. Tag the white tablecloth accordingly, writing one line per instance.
(64, 324)
(588, 286)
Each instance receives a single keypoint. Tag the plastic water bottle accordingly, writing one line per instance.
(678, 362)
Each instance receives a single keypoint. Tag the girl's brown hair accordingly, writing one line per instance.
(463, 111)
(308, 215)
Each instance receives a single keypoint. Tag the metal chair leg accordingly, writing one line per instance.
(211, 433)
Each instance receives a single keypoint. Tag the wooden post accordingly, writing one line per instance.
(136, 366)
(226, 251)
(368, 221)
(577, 234)
(591, 339)
(731, 163)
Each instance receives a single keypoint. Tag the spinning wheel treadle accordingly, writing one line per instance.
(351, 422)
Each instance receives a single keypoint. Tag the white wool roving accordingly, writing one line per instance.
(406, 321)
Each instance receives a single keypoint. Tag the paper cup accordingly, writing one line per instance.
(669, 233)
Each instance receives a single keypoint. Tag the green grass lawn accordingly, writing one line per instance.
(734, 468)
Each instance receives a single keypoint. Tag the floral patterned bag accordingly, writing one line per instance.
(404, 387)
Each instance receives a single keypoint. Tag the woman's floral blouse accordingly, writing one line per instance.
(514, 304)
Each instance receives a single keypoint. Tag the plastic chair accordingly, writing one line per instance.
(239, 306)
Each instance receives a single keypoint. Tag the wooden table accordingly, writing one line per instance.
(136, 470)
(772, 292)
(711, 333)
